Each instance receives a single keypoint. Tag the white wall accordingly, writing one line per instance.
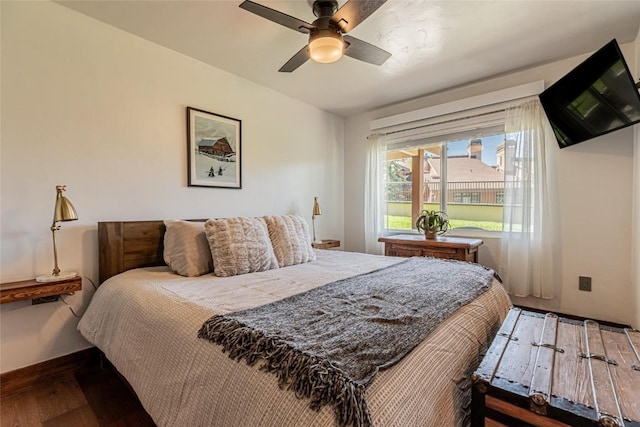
(594, 183)
(103, 111)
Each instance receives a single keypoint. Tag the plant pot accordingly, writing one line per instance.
(430, 235)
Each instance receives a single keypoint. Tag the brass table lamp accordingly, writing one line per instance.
(316, 211)
(63, 211)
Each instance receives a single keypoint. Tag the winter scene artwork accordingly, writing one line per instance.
(213, 144)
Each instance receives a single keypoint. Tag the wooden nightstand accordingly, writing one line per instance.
(408, 245)
(30, 289)
(326, 244)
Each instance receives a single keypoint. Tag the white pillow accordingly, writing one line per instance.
(290, 239)
(186, 248)
(239, 245)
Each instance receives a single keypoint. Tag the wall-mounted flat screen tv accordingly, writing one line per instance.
(597, 97)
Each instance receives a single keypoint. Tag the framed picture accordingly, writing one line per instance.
(214, 157)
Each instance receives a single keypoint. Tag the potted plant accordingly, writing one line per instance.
(432, 223)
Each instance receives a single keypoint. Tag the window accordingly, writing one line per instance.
(466, 197)
(459, 173)
(528, 196)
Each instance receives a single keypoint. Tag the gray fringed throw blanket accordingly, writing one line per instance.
(327, 344)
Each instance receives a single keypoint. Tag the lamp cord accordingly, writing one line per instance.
(72, 293)
(67, 304)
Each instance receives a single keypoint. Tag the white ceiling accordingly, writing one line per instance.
(435, 44)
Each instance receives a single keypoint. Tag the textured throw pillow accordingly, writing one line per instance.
(239, 245)
(186, 248)
(290, 239)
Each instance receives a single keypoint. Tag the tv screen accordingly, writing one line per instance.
(597, 97)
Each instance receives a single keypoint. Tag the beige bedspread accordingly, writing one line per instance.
(146, 323)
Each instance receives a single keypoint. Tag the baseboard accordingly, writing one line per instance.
(574, 317)
(20, 379)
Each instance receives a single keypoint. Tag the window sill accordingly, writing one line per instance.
(475, 232)
(478, 233)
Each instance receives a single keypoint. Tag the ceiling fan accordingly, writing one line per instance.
(327, 34)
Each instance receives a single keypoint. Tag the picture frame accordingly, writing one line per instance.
(214, 156)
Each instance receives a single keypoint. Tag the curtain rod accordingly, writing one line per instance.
(441, 122)
(478, 101)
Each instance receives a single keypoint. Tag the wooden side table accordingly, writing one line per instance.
(408, 245)
(326, 244)
(30, 289)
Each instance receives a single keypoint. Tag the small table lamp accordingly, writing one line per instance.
(63, 211)
(316, 211)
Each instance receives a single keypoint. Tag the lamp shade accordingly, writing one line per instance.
(64, 210)
(326, 46)
(316, 207)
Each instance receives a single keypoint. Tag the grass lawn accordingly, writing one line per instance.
(404, 223)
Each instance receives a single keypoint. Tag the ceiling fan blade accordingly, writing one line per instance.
(354, 12)
(296, 60)
(364, 51)
(277, 17)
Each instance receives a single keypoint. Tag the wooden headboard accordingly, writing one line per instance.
(124, 245)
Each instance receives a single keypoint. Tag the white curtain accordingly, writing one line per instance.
(374, 206)
(530, 241)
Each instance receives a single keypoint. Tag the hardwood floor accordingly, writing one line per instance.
(94, 397)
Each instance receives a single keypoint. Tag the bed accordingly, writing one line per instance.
(145, 319)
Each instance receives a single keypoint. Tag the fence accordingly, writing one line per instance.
(467, 192)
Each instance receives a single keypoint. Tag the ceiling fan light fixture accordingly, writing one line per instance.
(326, 41)
(326, 46)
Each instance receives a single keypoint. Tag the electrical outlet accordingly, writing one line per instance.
(584, 283)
